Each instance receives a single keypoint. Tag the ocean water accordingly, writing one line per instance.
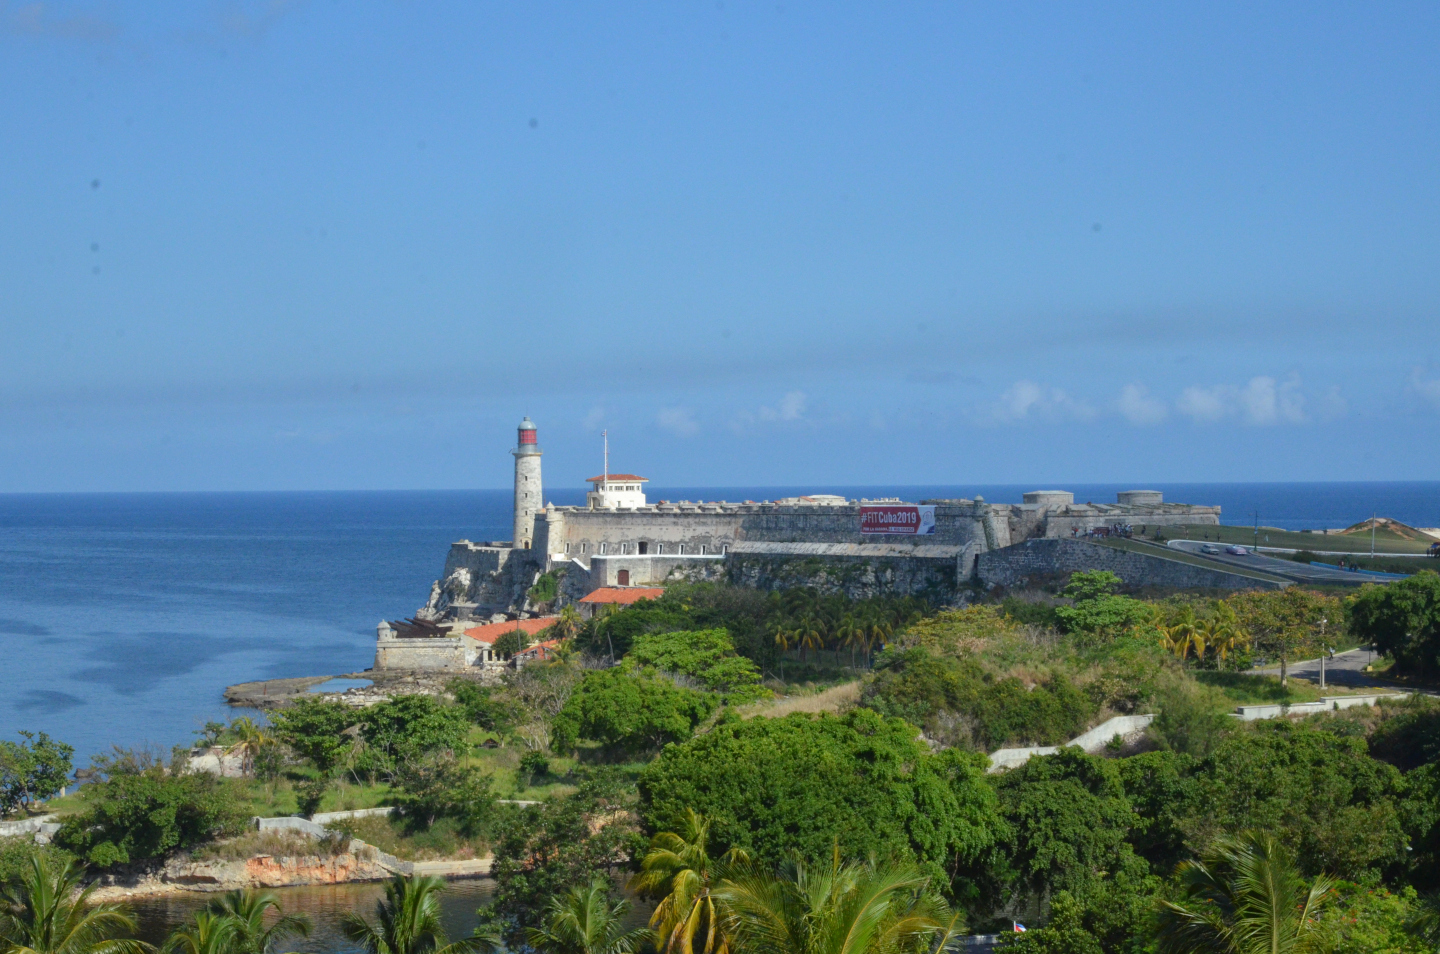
(124, 616)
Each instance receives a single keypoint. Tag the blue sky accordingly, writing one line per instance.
(312, 245)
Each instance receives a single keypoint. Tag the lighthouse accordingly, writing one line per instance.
(527, 485)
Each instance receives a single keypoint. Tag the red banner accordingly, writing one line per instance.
(897, 518)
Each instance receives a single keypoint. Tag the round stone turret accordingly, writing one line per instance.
(528, 496)
(1050, 498)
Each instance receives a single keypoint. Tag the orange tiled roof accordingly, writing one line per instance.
(623, 595)
(492, 631)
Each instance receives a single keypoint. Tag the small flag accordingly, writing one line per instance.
(1019, 928)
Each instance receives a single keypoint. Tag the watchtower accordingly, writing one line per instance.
(527, 485)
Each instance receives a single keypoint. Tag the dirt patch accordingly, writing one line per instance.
(836, 699)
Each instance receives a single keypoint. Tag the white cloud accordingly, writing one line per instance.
(1138, 407)
(1203, 404)
(792, 408)
(1262, 401)
(1427, 389)
(679, 421)
(1026, 400)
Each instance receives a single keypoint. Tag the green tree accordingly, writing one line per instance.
(48, 910)
(633, 712)
(248, 910)
(1402, 620)
(1285, 622)
(584, 920)
(1098, 613)
(1069, 823)
(1246, 896)
(805, 783)
(707, 656)
(544, 850)
(252, 740)
(314, 729)
(436, 785)
(679, 872)
(837, 908)
(408, 727)
(207, 933)
(1064, 934)
(958, 703)
(137, 815)
(482, 705)
(32, 771)
(407, 921)
(1320, 794)
(511, 643)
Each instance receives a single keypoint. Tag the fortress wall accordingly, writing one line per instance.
(858, 577)
(587, 530)
(605, 570)
(1059, 524)
(451, 653)
(1032, 561)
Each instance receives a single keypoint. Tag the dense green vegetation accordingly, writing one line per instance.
(771, 831)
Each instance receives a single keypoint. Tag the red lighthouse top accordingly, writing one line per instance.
(527, 432)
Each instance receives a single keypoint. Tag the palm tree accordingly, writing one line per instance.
(207, 933)
(839, 909)
(850, 632)
(811, 634)
(247, 909)
(569, 623)
(251, 738)
(409, 922)
(584, 920)
(679, 871)
(1245, 897)
(45, 911)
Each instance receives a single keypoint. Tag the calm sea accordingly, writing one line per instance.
(123, 616)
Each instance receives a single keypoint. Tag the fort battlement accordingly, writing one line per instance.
(620, 538)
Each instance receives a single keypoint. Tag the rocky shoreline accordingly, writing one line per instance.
(275, 693)
(361, 862)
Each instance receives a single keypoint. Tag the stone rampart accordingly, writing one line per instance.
(454, 652)
(1032, 561)
(860, 571)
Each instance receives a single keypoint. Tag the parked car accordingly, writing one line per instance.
(1236, 550)
(1207, 548)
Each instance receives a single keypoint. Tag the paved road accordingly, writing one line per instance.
(1299, 572)
(1345, 669)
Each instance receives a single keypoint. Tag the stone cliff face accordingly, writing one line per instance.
(479, 579)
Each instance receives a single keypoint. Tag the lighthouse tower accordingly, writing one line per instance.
(527, 485)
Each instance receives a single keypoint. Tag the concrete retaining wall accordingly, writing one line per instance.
(1091, 741)
(1035, 560)
(1326, 704)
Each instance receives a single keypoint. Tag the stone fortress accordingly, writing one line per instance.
(863, 547)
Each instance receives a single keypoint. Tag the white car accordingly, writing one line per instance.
(1207, 548)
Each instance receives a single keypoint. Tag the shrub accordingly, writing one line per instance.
(32, 771)
(958, 703)
(138, 816)
(633, 712)
(808, 784)
(313, 729)
(707, 656)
